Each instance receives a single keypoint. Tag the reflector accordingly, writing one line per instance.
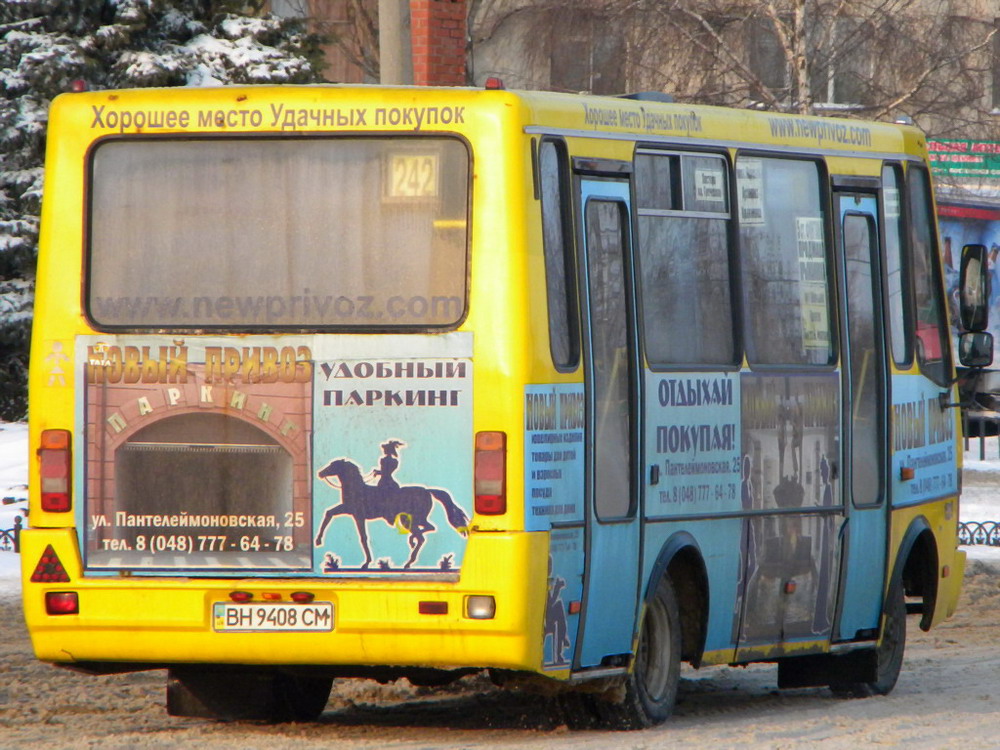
(433, 608)
(49, 568)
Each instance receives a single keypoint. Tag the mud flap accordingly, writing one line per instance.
(235, 694)
(823, 669)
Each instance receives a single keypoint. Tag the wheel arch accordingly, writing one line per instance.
(681, 559)
(916, 567)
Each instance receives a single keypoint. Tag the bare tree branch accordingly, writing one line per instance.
(723, 51)
(940, 65)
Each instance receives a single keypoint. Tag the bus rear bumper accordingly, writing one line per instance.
(155, 622)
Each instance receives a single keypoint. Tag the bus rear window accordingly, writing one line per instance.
(275, 233)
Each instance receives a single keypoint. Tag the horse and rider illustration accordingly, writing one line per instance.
(405, 507)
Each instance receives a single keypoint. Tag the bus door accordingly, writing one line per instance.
(864, 399)
(610, 598)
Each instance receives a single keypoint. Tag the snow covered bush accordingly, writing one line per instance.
(48, 44)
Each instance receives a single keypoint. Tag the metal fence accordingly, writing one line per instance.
(10, 539)
(979, 532)
(971, 532)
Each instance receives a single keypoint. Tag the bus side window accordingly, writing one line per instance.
(683, 214)
(784, 262)
(564, 338)
(932, 343)
(898, 292)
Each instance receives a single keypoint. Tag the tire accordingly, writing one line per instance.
(888, 653)
(233, 694)
(651, 688)
(300, 697)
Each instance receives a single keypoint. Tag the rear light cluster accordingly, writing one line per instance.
(55, 462)
(491, 473)
(49, 568)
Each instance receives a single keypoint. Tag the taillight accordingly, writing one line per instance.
(62, 603)
(491, 473)
(55, 463)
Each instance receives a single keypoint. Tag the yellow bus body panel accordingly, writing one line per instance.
(169, 620)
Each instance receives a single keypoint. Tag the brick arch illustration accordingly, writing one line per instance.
(264, 413)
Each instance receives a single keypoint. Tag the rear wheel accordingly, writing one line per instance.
(235, 694)
(651, 688)
(889, 654)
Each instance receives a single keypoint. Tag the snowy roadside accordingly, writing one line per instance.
(13, 497)
(980, 496)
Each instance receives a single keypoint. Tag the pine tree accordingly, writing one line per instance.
(48, 44)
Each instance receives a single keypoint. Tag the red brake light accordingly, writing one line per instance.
(491, 473)
(240, 597)
(55, 463)
(49, 569)
(62, 603)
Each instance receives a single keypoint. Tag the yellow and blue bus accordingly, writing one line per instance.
(334, 382)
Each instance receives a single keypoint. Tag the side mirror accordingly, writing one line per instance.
(974, 288)
(975, 349)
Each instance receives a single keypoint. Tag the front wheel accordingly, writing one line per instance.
(889, 654)
(651, 687)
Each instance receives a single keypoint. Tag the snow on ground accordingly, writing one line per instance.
(13, 496)
(980, 494)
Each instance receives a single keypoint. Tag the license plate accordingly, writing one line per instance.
(316, 617)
